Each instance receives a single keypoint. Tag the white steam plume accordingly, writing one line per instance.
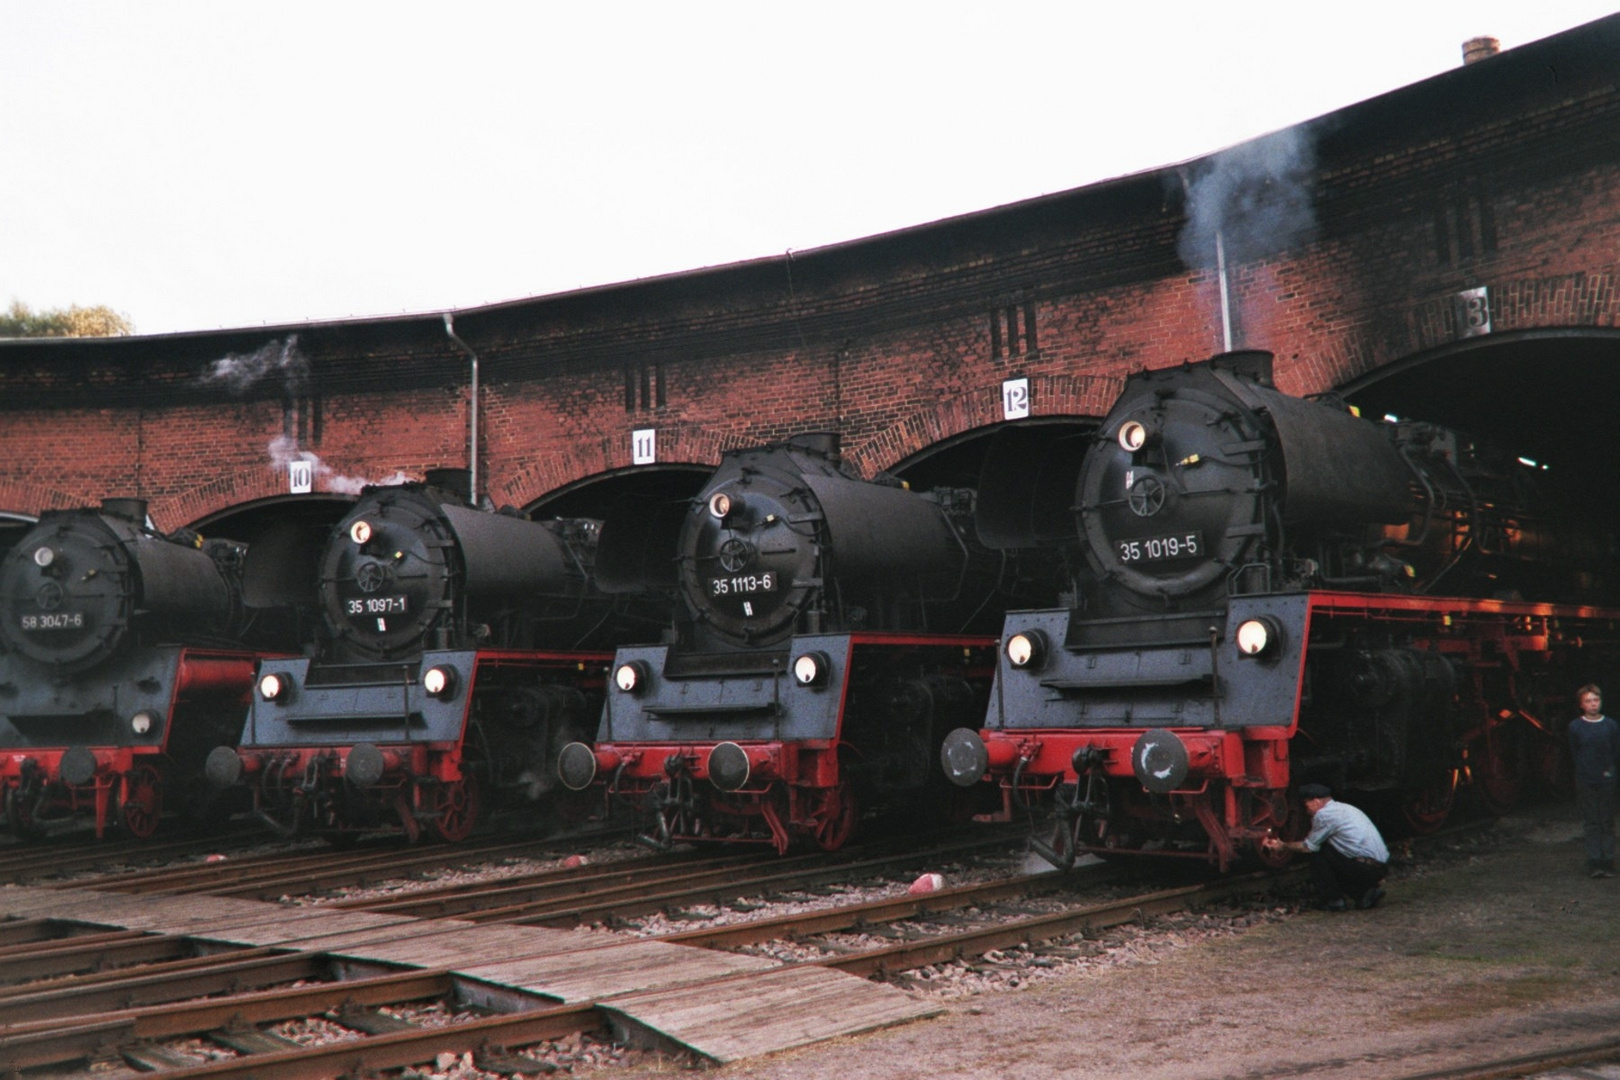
(275, 359)
(284, 451)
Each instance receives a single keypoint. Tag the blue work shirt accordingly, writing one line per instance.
(1351, 832)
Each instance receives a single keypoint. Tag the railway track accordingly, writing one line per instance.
(81, 853)
(247, 867)
(87, 996)
(1557, 1064)
(71, 995)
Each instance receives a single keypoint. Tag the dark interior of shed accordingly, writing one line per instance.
(1550, 398)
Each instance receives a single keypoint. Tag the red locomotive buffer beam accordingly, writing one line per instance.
(786, 789)
(148, 736)
(846, 724)
(1400, 701)
(441, 743)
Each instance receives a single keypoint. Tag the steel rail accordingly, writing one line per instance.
(453, 900)
(21, 863)
(63, 1039)
(458, 899)
(163, 983)
(358, 1057)
(34, 932)
(856, 916)
(90, 953)
(1569, 1057)
(263, 873)
(1037, 928)
(711, 888)
(192, 963)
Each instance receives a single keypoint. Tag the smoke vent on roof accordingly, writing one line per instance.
(1476, 49)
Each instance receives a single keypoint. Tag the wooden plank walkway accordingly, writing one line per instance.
(758, 1006)
(772, 1011)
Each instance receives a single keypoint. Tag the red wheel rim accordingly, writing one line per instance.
(1497, 763)
(142, 801)
(1427, 808)
(459, 805)
(1285, 816)
(836, 819)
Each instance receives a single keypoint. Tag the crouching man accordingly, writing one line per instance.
(1348, 858)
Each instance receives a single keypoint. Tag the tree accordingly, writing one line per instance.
(75, 321)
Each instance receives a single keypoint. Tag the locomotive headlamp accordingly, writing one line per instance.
(360, 532)
(43, 557)
(631, 677)
(274, 687)
(810, 669)
(1259, 637)
(1026, 649)
(439, 682)
(142, 722)
(720, 504)
(1132, 436)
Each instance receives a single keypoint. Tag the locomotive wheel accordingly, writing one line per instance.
(1497, 765)
(1288, 821)
(459, 806)
(141, 802)
(20, 814)
(836, 817)
(1426, 808)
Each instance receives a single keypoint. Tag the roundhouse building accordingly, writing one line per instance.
(1447, 250)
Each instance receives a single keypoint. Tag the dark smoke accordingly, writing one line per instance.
(1256, 195)
(274, 360)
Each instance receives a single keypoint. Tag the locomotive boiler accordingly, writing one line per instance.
(455, 659)
(1277, 591)
(124, 655)
(830, 630)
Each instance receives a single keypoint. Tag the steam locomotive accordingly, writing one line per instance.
(124, 655)
(830, 630)
(1276, 591)
(457, 654)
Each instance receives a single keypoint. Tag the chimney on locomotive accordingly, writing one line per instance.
(1253, 364)
(456, 480)
(826, 443)
(130, 509)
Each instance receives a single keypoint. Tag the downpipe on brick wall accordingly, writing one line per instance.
(472, 410)
(1226, 297)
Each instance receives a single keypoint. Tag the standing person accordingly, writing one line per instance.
(1594, 744)
(1348, 854)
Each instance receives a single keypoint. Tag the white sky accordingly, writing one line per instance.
(197, 165)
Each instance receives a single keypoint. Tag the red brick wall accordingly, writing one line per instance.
(896, 356)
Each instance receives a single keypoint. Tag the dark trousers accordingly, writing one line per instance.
(1339, 877)
(1596, 804)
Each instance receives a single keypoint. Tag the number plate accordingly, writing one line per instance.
(743, 584)
(1161, 548)
(52, 620)
(364, 606)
